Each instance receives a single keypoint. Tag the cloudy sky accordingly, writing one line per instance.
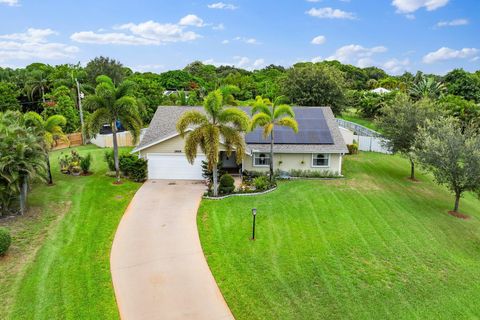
(397, 35)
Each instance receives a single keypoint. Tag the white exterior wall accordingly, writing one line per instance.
(347, 135)
(296, 161)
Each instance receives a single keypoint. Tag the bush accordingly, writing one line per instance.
(133, 167)
(261, 183)
(352, 148)
(85, 163)
(312, 174)
(5, 240)
(110, 160)
(227, 184)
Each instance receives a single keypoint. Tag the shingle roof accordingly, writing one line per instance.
(163, 125)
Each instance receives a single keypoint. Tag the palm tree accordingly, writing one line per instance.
(217, 125)
(37, 82)
(111, 104)
(51, 130)
(268, 115)
(23, 158)
(427, 87)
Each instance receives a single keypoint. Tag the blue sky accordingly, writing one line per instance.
(397, 35)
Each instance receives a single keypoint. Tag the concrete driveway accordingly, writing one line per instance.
(157, 264)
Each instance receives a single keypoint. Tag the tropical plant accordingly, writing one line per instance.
(216, 125)
(5, 240)
(112, 104)
(427, 88)
(51, 130)
(269, 115)
(227, 184)
(22, 159)
(37, 83)
(85, 163)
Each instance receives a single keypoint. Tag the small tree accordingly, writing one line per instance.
(452, 155)
(111, 104)
(210, 128)
(270, 115)
(399, 125)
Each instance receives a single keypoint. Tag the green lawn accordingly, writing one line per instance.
(372, 246)
(352, 116)
(58, 266)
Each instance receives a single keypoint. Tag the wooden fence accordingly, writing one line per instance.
(75, 139)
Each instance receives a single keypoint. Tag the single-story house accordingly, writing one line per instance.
(380, 90)
(318, 145)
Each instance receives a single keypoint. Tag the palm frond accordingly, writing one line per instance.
(97, 120)
(233, 140)
(235, 116)
(259, 120)
(190, 119)
(132, 124)
(55, 121)
(267, 129)
(283, 110)
(213, 103)
(194, 140)
(288, 122)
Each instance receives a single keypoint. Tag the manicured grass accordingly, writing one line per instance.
(58, 267)
(352, 116)
(372, 246)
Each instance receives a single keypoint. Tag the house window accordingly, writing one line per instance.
(261, 159)
(320, 160)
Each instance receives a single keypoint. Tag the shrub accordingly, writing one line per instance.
(353, 148)
(133, 167)
(207, 174)
(85, 163)
(312, 174)
(227, 184)
(110, 160)
(261, 183)
(5, 240)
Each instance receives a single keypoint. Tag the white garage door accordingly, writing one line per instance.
(174, 167)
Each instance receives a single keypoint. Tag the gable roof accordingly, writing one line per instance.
(163, 127)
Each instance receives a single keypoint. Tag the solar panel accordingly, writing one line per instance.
(312, 129)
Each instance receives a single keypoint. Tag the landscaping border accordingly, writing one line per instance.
(239, 194)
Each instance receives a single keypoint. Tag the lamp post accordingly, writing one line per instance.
(254, 214)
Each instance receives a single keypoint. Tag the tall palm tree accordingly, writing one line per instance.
(22, 160)
(269, 115)
(37, 82)
(217, 125)
(51, 130)
(111, 104)
(427, 87)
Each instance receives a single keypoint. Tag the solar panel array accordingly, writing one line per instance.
(312, 129)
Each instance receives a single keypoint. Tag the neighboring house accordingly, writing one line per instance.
(318, 145)
(380, 90)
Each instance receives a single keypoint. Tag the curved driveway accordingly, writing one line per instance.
(158, 267)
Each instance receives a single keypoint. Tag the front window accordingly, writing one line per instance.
(261, 159)
(320, 160)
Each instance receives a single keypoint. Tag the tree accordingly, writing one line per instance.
(22, 159)
(269, 115)
(37, 83)
(8, 97)
(106, 66)
(62, 103)
(468, 112)
(427, 88)
(464, 84)
(51, 130)
(399, 125)
(216, 124)
(451, 154)
(112, 104)
(315, 85)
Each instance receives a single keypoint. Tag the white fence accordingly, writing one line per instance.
(124, 139)
(374, 144)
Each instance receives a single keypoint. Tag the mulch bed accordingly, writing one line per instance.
(459, 215)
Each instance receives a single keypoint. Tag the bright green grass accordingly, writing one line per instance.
(352, 116)
(372, 246)
(72, 227)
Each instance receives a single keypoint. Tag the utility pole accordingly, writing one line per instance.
(79, 93)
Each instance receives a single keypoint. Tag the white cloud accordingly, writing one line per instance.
(222, 5)
(314, 1)
(148, 67)
(145, 33)
(356, 54)
(33, 44)
(239, 62)
(395, 66)
(330, 13)
(247, 40)
(219, 26)
(191, 20)
(410, 16)
(11, 3)
(453, 23)
(225, 41)
(319, 40)
(445, 53)
(409, 6)
(317, 59)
